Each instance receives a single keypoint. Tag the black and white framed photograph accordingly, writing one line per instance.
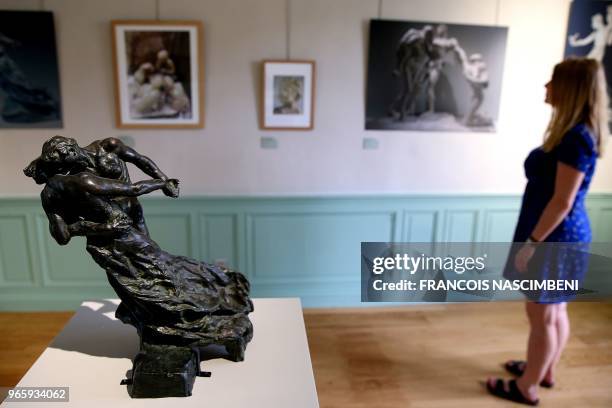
(158, 74)
(287, 95)
(29, 74)
(432, 76)
(589, 34)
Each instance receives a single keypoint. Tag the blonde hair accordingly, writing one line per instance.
(578, 95)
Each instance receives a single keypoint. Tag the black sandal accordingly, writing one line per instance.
(517, 367)
(514, 394)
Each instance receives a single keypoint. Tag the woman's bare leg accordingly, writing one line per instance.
(562, 326)
(541, 347)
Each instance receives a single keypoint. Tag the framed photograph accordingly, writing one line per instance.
(158, 74)
(29, 75)
(287, 101)
(432, 76)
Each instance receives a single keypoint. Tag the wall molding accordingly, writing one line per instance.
(10, 240)
(306, 246)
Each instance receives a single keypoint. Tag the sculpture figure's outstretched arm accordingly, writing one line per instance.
(101, 186)
(130, 155)
(576, 41)
(144, 163)
(81, 228)
(461, 55)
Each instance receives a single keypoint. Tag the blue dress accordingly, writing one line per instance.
(556, 261)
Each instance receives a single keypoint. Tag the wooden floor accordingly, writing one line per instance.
(435, 356)
(414, 356)
(23, 337)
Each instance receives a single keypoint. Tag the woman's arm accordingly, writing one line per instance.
(567, 183)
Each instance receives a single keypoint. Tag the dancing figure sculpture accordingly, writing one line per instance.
(475, 72)
(421, 56)
(412, 62)
(156, 92)
(177, 305)
(600, 37)
(441, 47)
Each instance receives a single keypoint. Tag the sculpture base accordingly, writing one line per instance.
(163, 371)
(169, 359)
(94, 349)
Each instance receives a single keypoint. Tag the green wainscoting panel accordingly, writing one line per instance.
(460, 225)
(498, 225)
(420, 226)
(15, 256)
(307, 247)
(171, 231)
(287, 246)
(219, 239)
(604, 224)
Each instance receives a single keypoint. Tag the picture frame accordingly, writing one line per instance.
(287, 94)
(158, 74)
(456, 86)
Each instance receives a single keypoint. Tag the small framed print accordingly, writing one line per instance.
(287, 95)
(158, 74)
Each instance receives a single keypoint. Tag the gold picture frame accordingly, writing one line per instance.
(158, 74)
(287, 94)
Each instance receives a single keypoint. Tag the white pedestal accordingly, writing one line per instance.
(93, 352)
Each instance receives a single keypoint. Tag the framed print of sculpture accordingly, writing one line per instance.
(178, 305)
(434, 76)
(158, 74)
(287, 97)
(589, 34)
(29, 76)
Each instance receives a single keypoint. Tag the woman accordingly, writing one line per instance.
(559, 173)
(169, 299)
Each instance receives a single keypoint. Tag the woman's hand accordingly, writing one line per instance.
(523, 256)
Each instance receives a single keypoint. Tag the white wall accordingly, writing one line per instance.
(226, 158)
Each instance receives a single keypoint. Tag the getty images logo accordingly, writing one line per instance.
(413, 264)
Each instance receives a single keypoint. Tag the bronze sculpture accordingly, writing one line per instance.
(176, 304)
